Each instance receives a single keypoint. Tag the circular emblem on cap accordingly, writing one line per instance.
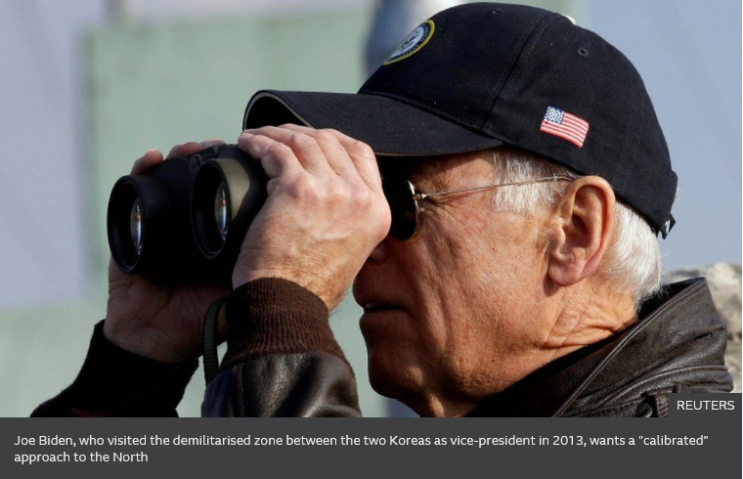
(416, 40)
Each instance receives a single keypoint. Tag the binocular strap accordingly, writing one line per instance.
(211, 359)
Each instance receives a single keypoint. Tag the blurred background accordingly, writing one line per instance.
(88, 85)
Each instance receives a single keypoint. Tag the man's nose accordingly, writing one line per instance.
(379, 253)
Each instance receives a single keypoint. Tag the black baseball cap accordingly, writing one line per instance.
(483, 75)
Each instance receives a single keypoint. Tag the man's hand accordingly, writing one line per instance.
(153, 319)
(324, 214)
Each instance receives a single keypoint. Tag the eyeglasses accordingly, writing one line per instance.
(405, 202)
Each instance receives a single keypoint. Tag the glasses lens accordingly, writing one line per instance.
(135, 226)
(399, 193)
(220, 211)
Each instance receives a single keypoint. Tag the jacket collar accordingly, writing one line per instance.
(683, 314)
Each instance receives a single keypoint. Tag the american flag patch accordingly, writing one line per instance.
(561, 123)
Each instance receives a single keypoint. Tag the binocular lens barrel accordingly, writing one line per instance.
(126, 224)
(210, 210)
(186, 217)
(228, 192)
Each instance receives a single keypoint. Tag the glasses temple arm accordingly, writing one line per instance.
(423, 196)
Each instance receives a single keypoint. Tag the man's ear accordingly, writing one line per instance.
(583, 232)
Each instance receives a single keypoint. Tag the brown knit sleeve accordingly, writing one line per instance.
(276, 316)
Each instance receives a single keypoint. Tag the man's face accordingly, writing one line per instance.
(454, 311)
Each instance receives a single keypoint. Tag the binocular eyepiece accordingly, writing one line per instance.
(186, 217)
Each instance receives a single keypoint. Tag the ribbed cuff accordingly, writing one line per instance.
(116, 382)
(276, 316)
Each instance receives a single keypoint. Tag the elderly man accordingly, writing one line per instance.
(496, 194)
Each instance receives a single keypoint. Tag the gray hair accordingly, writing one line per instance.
(632, 263)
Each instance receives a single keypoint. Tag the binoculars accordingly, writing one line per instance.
(186, 218)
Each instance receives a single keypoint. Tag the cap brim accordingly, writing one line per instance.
(390, 127)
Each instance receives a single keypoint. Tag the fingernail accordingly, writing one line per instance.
(207, 144)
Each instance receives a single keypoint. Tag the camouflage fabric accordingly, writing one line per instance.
(725, 283)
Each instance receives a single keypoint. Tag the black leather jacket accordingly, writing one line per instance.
(677, 346)
(282, 360)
